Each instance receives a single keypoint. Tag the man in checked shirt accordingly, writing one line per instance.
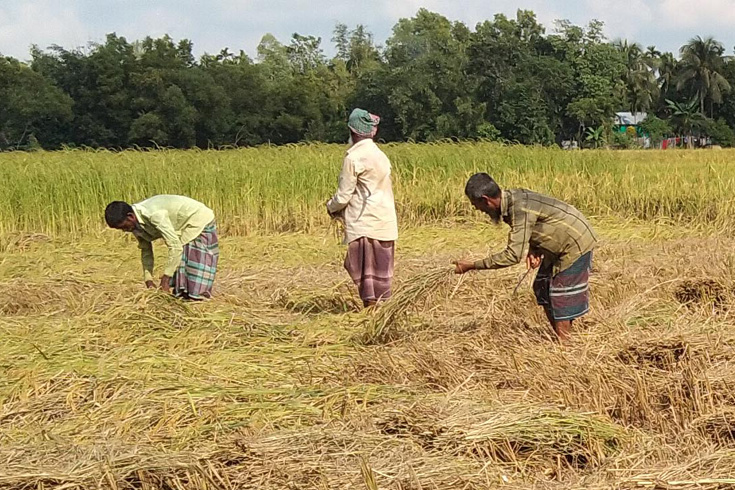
(552, 234)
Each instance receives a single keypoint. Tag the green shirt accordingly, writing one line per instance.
(543, 225)
(176, 219)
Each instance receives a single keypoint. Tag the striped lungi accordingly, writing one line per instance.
(565, 296)
(370, 265)
(195, 276)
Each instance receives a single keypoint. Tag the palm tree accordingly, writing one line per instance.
(640, 78)
(702, 62)
(686, 116)
(653, 56)
(667, 68)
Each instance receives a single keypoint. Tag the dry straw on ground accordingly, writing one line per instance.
(271, 385)
(109, 386)
(382, 321)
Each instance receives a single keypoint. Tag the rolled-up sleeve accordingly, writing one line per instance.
(146, 258)
(521, 226)
(346, 187)
(163, 224)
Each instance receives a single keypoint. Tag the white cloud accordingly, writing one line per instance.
(702, 14)
(623, 18)
(38, 22)
(239, 24)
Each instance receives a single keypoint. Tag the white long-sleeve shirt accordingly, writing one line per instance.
(365, 193)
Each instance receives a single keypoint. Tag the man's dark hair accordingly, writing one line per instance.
(116, 212)
(479, 185)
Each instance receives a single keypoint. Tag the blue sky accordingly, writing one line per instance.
(239, 24)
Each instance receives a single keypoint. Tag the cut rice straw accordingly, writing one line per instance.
(380, 325)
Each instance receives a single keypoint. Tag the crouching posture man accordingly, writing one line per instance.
(189, 231)
(556, 237)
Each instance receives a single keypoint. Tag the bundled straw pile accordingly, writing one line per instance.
(381, 324)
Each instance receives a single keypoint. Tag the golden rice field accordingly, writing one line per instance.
(283, 189)
(280, 382)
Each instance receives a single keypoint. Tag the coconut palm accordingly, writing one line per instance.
(686, 117)
(667, 68)
(640, 77)
(653, 57)
(702, 63)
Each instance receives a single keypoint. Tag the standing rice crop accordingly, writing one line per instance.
(278, 189)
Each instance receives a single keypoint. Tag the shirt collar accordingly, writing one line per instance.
(138, 214)
(504, 203)
(360, 143)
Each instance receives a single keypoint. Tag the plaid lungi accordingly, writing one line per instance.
(370, 265)
(565, 296)
(195, 276)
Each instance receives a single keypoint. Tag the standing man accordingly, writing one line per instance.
(189, 231)
(553, 234)
(364, 199)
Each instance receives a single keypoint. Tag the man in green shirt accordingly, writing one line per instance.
(552, 234)
(189, 231)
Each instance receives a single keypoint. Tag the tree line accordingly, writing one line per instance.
(509, 79)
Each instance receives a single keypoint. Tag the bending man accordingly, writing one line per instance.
(364, 199)
(189, 231)
(553, 234)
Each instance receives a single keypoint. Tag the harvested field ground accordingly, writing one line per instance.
(271, 385)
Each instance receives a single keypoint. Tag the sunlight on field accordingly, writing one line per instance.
(268, 385)
(282, 189)
(271, 384)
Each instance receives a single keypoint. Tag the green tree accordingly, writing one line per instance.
(426, 57)
(686, 117)
(99, 82)
(599, 69)
(656, 128)
(32, 110)
(520, 78)
(640, 78)
(702, 64)
(726, 110)
(273, 58)
(667, 70)
(163, 65)
(305, 53)
(720, 132)
(248, 91)
(596, 136)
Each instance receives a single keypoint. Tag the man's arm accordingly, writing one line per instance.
(346, 188)
(146, 258)
(173, 243)
(521, 226)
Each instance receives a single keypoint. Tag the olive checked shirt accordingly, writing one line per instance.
(543, 225)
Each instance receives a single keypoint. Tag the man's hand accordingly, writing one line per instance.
(150, 284)
(533, 261)
(165, 283)
(332, 215)
(462, 266)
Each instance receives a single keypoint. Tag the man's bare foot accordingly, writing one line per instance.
(563, 330)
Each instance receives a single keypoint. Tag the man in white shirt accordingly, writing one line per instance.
(364, 199)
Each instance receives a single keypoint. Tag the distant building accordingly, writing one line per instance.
(624, 119)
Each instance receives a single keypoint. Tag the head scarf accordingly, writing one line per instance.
(363, 123)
